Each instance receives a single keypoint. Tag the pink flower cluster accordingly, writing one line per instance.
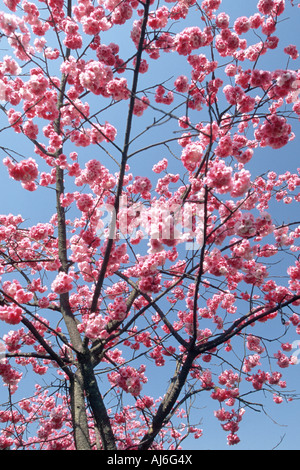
(118, 309)
(227, 42)
(253, 344)
(292, 51)
(213, 151)
(129, 379)
(162, 97)
(142, 185)
(182, 84)
(191, 155)
(267, 7)
(10, 376)
(260, 378)
(15, 291)
(95, 135)
(162, 186)
(150, 283)
(160, 166)
(9, 66)
(11, 314)
(41, 231)
(62, 283)
(116, 289)
(117, 88)
(275, 132)
(73, 39)
(219, 177)
(26, 171)
(95, 76)
(250, 362)
(93, 20)
(232, 419)
(140, 105)
(94, 326)
(283, 361)
(210, 6)
(222, 394)
(84, 202)
(237, 97)
(191, 38)
(159, 18)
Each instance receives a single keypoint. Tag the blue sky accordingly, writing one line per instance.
(258, 430)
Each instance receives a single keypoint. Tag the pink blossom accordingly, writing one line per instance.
(10, 376)
(292, 51)
(11, 315)
(182, 84)
(191, 155)
(117, 88)
(210, 5)
(269, 26)
(261, 78)
(294, 271)
(161, 96)
(129, 379)
(189, 39)
(255, 21)
(25, 171)
(251, 362)
(37, 84)
(106, 55)
(94, 326)
(9, 66)
(234, 95)
(271, 43)
(41, 231)
(140, 105)
(160, 166)
(241, 25)
(84, 202)
(62, 283)
(225, 146)
(253, 344)
(121, 13)
(15, 120)
(142, 185)
(277, 399)
(265, 6)
(159, 18)
(30, 129)
(231, 70)
(95, 76)
(240, 183)
(222, 20)
(232, 439)
(282, 360)
(118, 309)
(275, 132)
(219, 176)
(12, 4)
(144, 402)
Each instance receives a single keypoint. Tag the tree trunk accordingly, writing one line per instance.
(95, 400)
(79, 417)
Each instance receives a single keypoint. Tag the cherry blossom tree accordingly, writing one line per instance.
(163, 278)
